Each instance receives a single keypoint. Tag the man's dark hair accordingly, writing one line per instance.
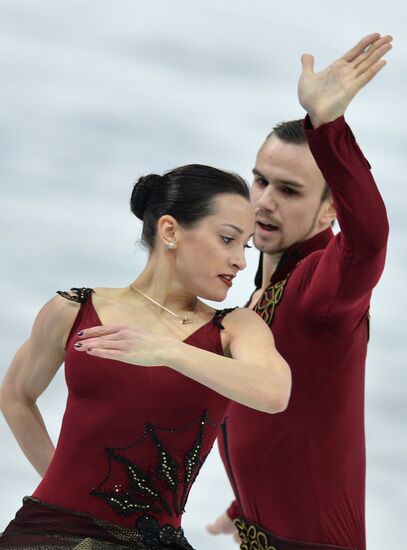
(292, 131)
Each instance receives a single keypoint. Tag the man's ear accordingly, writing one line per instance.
(328, 213)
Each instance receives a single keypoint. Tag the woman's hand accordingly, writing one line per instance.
(326, 95)
(129, 344)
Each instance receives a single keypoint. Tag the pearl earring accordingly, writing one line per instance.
(170, 246)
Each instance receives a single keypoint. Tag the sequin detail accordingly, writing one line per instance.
(162, 488)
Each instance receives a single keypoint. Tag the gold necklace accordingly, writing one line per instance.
(182, 320)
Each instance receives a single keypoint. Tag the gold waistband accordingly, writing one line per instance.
(252, 537)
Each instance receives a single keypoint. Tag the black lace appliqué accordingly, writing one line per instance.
(163, 487)
(80, 295)
(147, 533)
(220, 314)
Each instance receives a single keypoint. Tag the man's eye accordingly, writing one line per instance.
(289, 191)
(248, 246)
(261, 181)
(227, 240)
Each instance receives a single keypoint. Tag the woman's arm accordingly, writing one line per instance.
(254, 375)
(32, 369)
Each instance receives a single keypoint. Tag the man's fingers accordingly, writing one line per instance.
(237, 538)
(383, 45)
(370, 73)
(360, 47)
(213, 529)
(222, 525)
(307, 61)
(372, 59)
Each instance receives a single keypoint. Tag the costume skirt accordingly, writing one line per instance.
(255, 537)
(38, 525)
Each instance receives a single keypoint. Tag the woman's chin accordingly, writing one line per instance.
(214, 296)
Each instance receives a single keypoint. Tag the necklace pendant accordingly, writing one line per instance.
(186, 321)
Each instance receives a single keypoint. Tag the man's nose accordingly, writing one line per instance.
(267, 199)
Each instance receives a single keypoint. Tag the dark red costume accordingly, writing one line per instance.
(301, 474)
(132, 442)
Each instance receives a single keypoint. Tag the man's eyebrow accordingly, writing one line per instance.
(257, 173)
(290, 183)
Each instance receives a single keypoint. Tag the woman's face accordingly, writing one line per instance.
(210, 254)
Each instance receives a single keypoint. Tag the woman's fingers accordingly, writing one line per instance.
(114, 354)
(99, 343)
(107, 330)
(101, 330)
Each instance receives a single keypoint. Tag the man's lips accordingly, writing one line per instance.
(266, 226)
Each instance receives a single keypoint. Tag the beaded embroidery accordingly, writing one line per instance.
(147, 489)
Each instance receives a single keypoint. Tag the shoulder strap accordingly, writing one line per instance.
(220, 315)
(79, 295)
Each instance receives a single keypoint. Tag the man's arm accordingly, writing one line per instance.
(352, 263)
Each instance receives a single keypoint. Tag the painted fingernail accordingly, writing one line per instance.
(80, 333)
(78, 345)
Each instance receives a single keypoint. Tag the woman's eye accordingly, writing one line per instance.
(227, 240)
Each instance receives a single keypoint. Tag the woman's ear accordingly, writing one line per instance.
(167, 227)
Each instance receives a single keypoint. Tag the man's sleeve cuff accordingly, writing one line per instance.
(234, 510)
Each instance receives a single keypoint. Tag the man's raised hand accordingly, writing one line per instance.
(325, 95)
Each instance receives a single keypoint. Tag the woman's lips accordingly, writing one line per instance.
(225, 280)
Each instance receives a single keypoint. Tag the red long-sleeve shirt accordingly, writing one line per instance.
(301, 474)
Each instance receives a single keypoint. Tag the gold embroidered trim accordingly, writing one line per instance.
(266, 306)
(252, 537)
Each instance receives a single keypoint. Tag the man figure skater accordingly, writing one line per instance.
(299, 476)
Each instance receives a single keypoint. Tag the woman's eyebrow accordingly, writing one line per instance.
(238, 229)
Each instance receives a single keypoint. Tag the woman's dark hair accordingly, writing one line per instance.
(186, 193)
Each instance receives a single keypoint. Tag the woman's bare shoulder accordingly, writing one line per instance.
(56, 317)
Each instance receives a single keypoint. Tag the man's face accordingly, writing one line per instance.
(286, 195)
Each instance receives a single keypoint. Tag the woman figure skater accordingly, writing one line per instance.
(150, 369)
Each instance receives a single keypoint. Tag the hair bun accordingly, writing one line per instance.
(141, 193)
